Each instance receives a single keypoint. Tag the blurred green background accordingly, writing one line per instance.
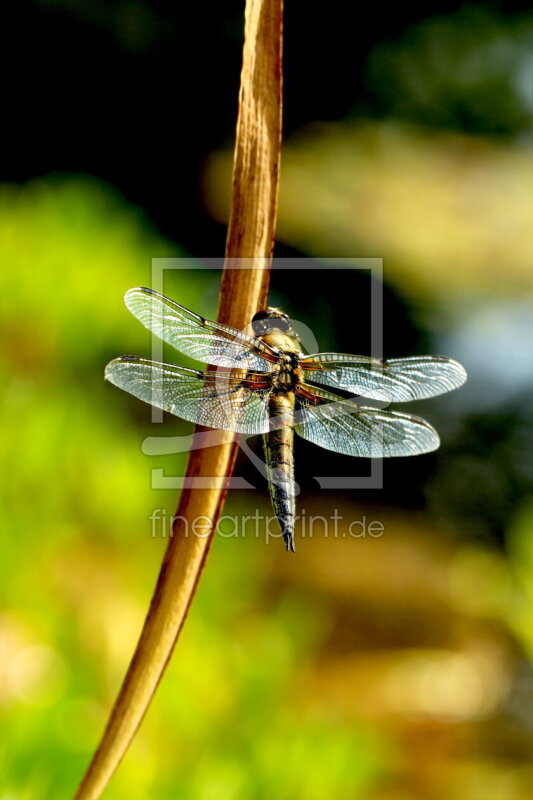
(390, 668)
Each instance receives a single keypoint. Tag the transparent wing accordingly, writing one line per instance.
(217, 399)
(206, 341)
(396, 380)
(342, 426)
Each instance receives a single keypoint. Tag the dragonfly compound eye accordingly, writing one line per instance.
(271, 319)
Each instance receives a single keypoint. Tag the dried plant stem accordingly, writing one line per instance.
(242, 292)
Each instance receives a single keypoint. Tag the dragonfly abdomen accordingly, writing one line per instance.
(279, 455)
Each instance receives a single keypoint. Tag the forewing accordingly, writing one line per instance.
(206, 341)
(396, 380)
(340, 425)
(216, 399)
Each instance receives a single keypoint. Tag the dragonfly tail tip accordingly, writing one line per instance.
(289, 542)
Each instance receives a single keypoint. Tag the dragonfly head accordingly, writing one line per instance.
(270, 320)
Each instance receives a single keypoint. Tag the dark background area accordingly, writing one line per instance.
(140, 93)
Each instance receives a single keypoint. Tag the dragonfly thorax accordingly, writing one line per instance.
(287, 374)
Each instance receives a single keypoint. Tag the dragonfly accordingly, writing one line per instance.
(261, 382)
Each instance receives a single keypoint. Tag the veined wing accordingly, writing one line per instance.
(210, 342)
(220, 399)
(396, 380)
(344, 427)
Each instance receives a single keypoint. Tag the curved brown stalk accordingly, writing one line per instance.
(243, 290)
